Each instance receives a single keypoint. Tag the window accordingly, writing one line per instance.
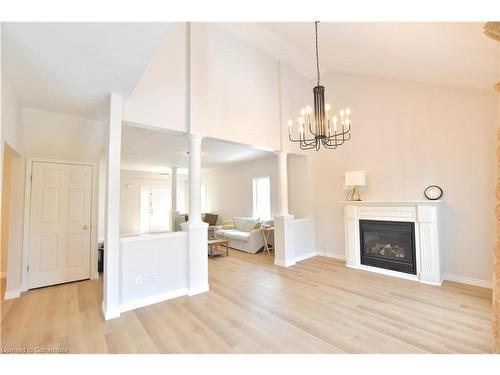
(204, 198)
(261, 198)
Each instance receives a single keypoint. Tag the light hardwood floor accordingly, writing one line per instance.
(317, 306)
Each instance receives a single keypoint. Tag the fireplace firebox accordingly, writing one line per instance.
(388, 244)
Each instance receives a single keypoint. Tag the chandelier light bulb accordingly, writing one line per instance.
(327, 107)
(302, 112)
(348, 112)
(309, 110)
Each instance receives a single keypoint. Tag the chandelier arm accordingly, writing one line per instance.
(338, 141)
(300, 140)
(310, 129)
(326, 144)
(302, 147)
(310, 142)
(330, 147)
(337, 135)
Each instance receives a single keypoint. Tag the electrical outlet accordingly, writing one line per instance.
(138, 280)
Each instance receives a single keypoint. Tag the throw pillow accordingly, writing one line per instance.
(211, 219)
(228, 224)
(257, 225)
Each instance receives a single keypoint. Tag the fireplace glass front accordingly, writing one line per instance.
(388, 244)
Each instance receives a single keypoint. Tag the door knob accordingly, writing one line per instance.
(85, 226)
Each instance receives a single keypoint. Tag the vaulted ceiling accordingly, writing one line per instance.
(71, 67)
(444, 53)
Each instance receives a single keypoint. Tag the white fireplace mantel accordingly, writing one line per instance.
(425, 216)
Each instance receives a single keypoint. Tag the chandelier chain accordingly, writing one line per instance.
(317, 53)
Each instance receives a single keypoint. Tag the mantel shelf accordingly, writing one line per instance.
(392, 203)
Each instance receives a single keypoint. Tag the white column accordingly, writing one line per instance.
(196, 228)
(173, 181)
(111, 292)
(283, 182)
(284, 239)
(195, 178)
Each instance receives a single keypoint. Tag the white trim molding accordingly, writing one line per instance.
(12, 294)
(333, 255)
(468, 280)
(305, 256)
(198, 290)
(425, 217)
(132, 305)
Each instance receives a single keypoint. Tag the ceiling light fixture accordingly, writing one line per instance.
(331, 132)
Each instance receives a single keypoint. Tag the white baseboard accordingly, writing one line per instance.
(95, 276)
(334, 256)
(468, 280)
(282, 263)
(306, 256)
(110, 313)
(318, 253)
(198, 290)
(11, 294)
(146, 301)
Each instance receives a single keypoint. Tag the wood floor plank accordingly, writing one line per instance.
(253, 306)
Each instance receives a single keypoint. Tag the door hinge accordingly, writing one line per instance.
(31, 177)
(28, 268)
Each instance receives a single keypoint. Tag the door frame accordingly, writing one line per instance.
(94, 274)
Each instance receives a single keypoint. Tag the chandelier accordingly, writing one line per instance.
(321, 128)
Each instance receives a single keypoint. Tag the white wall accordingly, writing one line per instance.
(161, 261)
(11, 144)
(11, 116)
(407, 136)
(235, 93)
(304, 239)
(159, 99)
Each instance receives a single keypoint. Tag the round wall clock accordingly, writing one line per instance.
(433, 192)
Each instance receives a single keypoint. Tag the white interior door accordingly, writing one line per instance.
(155, 209)
(60, 218)
(160, 209)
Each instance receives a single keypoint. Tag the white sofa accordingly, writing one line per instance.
(243, 237)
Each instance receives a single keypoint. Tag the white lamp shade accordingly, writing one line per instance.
(355, 178)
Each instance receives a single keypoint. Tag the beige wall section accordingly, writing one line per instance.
(58, 136)
(299, 186)
(229, 187)
(235, 89)
(407, 136)
(130, 197)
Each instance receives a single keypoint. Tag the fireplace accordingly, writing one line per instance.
(388, 244)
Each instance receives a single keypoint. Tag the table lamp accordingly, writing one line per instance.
(355, 179)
